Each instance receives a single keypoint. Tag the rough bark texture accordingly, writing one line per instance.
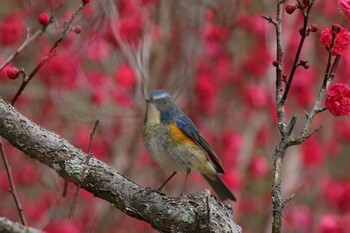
(199, 213)
(7, 226)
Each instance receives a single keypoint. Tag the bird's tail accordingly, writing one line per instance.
(220, 188)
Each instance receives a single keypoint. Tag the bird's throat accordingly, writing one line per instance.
(152, 115)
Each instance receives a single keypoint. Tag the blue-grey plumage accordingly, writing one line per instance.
(175, 143)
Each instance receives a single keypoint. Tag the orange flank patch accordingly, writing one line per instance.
(178, 135)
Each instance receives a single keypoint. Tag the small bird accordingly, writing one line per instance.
(175, 143)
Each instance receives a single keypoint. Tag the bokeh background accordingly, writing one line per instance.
(215, 58)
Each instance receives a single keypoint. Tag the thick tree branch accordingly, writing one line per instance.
(6, 225)
(165, 214)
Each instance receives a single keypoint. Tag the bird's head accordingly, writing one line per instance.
(160, 107)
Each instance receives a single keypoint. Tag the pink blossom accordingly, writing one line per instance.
(330, 223)
(258, 166)
(98, 49)
(299, 218)
(338, 99)
(341, 43)
(256, 96)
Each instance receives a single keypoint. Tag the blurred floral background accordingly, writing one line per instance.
(215, 58)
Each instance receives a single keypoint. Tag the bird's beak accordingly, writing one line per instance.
(148, 99)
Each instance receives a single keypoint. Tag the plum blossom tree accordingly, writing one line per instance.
(254, 89)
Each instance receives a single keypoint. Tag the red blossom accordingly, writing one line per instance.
(290, 9)
(97, 79)
(301, 87)
(11, 29)
(344, 6)
(342, 129)
(206, 90)
(214, 37)
(122, 98)
(338, 99)
(341, 43)
(125, 76)
(98, 95)
(231, 143)
(61, 71)
(130, 28)
(63, 226)
(233, 179)
(312, 153)
(44, 19)
(27, 175)
(258, 60)
(13, 72)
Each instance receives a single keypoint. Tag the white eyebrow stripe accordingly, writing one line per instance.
(161, 96)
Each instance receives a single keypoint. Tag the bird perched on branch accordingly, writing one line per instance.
(175, 143)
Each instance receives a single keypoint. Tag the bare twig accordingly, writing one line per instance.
(288, 199)
(12, 184)
(29, 39)
(52, 53)
(304, 33)
(86, 165)
(22, 46)
(27, 79)
(67, 28)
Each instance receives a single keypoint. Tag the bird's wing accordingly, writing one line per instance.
(188, 127)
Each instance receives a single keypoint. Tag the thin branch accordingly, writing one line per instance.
(288, 199)
(301, 139)
(12, 184)
(52, 53)
(304, 33)
(22, 46)
(27, 79)
(86, 165)
(67, 28)
(29, 39)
